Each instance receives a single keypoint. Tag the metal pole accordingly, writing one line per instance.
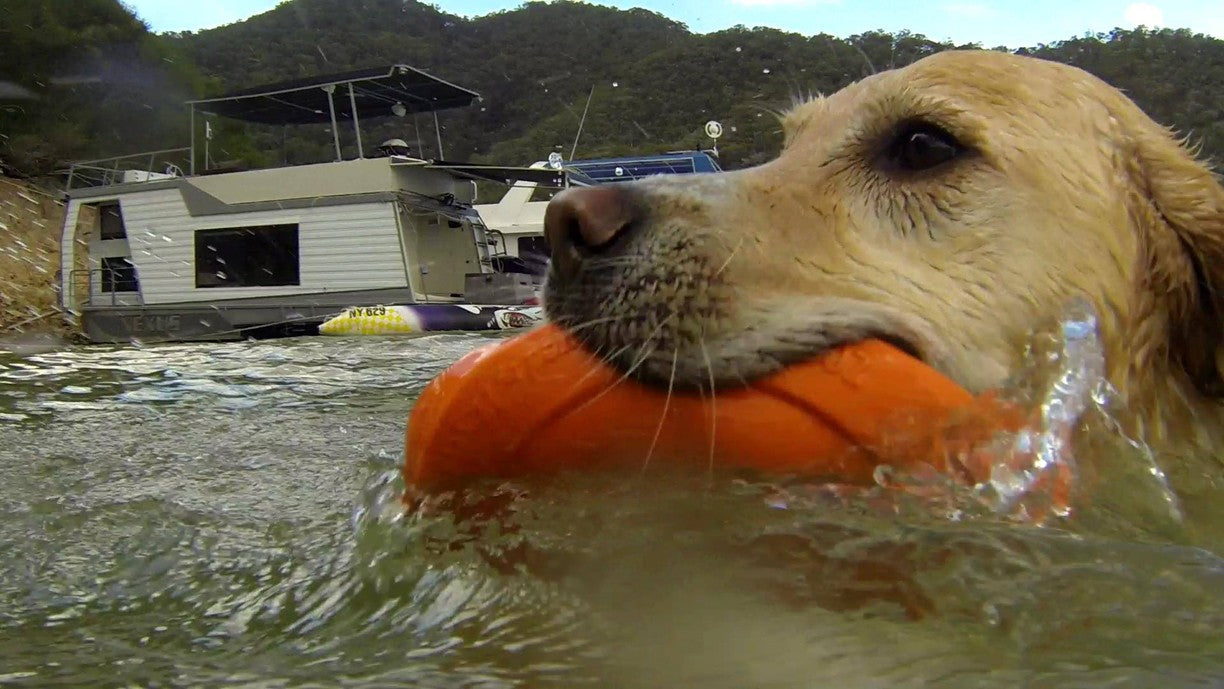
(438, 133)
(356, 124)
(582, 122)
(331, 107)
(191, 165)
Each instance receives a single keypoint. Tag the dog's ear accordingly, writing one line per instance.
(1179, 210)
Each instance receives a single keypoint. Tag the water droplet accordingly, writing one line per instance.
(991, 613)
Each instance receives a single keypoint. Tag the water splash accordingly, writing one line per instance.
(1035, 459)
(1032, 474)
(1070, 393)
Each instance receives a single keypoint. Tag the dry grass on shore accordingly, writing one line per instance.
(30, 225)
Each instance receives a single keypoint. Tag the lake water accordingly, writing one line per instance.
(227, 515)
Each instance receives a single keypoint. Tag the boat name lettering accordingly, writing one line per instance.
(151, 324)
(359, 311)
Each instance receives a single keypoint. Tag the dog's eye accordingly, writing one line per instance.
(922, 146)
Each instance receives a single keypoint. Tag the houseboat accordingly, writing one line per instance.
(165, 246)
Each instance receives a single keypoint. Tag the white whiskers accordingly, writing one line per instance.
(705, 354)
(663, 417)
(644, 353)
(730, 256)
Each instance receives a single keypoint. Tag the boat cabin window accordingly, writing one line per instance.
(255, 256)
(533, 246)
(110, 217)
(543, 194)
(118, 275)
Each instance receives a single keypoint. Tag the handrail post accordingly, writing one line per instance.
(356, 123)
(438, 134)
(191, 147)
(330, 90)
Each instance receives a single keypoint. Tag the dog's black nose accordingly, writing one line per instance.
(581, 221)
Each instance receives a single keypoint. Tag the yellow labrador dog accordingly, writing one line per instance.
(953, 207)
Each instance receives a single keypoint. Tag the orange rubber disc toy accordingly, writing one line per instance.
(539, 403)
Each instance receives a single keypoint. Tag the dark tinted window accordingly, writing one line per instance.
(119, 275)
(262, 256)
(111, 218)
(533, 246)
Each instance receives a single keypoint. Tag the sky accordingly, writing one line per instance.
(1012, 23)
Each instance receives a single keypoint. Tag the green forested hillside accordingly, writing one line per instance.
(654, 82)
(1176, 76)
(85, 78)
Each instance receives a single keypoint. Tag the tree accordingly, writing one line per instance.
(96, 83)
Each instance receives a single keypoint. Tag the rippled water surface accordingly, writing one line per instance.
(225, 515)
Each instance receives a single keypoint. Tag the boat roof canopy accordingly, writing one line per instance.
(375, 91)
(543, 176)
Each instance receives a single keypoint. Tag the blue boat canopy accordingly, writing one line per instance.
(590, 171)
(605, 170)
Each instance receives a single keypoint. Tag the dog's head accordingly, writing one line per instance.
(951, 207)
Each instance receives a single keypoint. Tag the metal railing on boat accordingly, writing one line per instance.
(146, 166)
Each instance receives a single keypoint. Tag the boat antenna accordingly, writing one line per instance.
(582, 122)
